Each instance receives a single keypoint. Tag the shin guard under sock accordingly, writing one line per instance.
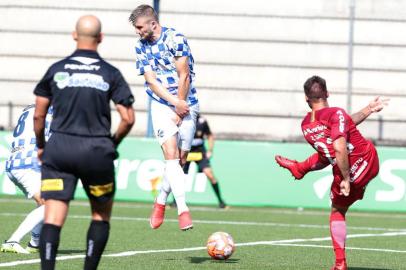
(176, 178)
(48, 245)
(338, 230)
(97, 237)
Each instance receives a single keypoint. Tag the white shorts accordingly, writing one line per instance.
(27, 180)
(163, 122)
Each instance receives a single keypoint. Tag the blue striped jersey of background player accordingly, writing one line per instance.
(159, 56)
(23, 148)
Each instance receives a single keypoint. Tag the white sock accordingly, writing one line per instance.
(164, 192)
(31, 220)
(35, 234)
(176, 178)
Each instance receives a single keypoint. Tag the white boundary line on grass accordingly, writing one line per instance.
(300, 212)
(225, 222)
(288, 242)
(352, 248)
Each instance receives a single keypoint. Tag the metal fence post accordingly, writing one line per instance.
(380, 127)
(10, 115)
(350, 55)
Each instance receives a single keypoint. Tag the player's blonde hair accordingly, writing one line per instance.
(143, 11)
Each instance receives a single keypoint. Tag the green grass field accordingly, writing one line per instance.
(267, 238)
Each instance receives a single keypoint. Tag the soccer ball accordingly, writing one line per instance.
(220, 246)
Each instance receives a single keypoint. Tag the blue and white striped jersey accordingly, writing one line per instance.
(23, 149)
(159, 56)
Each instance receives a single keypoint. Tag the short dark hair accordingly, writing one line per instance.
(143, 11)
(315, 87)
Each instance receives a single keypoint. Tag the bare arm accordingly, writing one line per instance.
(210, 141)
(375, 105)
(41, 108)
(182, 67)
(181, 107)
(127, 121)
(341, 153)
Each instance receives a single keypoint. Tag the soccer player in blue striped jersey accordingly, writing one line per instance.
(23, 169)
(164, 58)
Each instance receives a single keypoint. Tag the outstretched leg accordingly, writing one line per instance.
(299, 169)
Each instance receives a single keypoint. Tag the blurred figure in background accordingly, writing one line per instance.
(201, 156)
(23, 169)
(164, 58)
(333, 134)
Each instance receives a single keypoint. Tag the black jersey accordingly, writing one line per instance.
(202, 131)
(80, 88)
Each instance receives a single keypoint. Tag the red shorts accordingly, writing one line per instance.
(363, 170)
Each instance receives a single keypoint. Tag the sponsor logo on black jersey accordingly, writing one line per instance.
(63, 80)
(81, 67)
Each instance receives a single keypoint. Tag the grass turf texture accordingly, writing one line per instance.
(380, 242)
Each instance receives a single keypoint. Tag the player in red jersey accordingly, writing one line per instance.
(333, 134)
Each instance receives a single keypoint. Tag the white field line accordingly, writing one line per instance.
(238, 223)
(288, 242)
(347, 248)
(301, 212)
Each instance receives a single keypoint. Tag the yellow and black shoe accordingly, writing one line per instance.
(32, 249)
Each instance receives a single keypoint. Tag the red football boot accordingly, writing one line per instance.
(291, 165)
(157, 216)
(340, 265)
(185, 221)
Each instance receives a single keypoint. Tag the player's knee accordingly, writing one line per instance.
(101, 216)
(171, 153)
(101, 210)
(102, 213)
(338, 208)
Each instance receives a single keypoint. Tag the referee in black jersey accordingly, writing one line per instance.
(199, 154)
(80, 88)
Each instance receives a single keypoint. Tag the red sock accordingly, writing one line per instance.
(338, 230)
(309, 164)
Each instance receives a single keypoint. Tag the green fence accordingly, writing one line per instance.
(247, 174)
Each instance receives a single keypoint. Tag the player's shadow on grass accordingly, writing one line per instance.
(367, 268)
(197, 260)
(71, 251)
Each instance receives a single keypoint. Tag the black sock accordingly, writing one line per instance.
(216, 189)
(97, 237)
(48, 245)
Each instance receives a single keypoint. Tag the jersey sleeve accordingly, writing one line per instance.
(339, 122)
(43, 87)
(121, 92)
(179, 45)
(142, 63)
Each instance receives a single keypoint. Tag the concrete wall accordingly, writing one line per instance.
(252, 57)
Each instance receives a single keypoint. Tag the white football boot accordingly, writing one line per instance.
(13, 247)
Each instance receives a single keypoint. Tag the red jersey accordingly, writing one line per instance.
(330, 124)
